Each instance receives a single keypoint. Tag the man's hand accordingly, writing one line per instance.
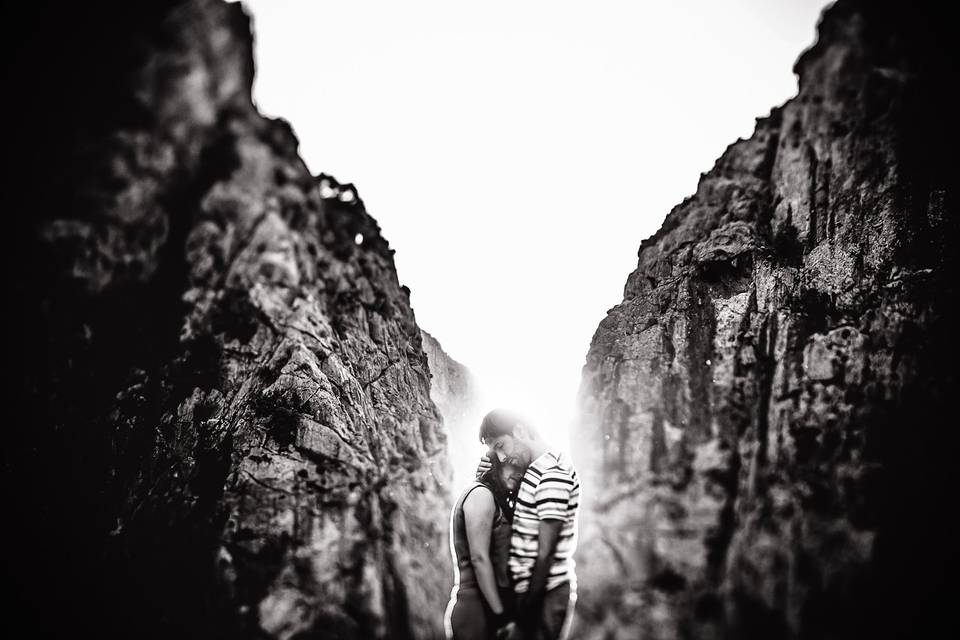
(530, 604)
(509, 631)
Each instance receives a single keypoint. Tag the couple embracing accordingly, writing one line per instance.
(513, 533)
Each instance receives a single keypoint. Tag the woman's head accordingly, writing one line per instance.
(503, 478)
(510, 476)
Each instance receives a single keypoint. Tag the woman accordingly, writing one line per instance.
(480, 545)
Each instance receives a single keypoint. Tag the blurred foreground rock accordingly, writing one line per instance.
(767, 418)
(227, 424)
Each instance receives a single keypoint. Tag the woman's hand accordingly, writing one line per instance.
(509, 631)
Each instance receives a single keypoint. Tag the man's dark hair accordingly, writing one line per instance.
(498, 422)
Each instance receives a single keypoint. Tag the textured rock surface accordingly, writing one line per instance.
(454, 390)
(768, 408)
(229, 431)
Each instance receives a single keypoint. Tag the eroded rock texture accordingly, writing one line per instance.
(767, 412)
(228, 430)
(455, 392)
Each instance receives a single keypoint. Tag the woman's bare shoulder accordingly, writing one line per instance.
(479, 499)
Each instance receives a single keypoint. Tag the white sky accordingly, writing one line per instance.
(516, 153)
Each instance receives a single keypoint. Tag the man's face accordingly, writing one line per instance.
(511, 449)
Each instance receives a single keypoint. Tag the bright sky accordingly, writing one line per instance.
(516, 153)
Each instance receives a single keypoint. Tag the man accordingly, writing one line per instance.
(544, 526)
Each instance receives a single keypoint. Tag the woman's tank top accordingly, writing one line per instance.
(499, 544)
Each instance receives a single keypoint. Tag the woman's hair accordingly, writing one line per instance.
(489, 475)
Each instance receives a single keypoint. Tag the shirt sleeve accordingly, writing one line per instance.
(553, 494)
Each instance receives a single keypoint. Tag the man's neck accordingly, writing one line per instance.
(537, 449)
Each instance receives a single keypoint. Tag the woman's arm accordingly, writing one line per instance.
(478, 511)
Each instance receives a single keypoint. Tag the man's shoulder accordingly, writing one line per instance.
(558, 471)
(560, 465)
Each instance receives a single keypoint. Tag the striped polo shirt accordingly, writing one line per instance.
(550, 490)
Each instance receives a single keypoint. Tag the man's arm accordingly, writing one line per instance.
(552, 498)
(532, 604)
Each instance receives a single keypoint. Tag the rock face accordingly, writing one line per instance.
(454, 390)
(228, 430)
(765, 417)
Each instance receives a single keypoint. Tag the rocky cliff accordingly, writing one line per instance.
(765, 417)
(227, 429)
(455, 392)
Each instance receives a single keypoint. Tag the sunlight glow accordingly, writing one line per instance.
(516, 153)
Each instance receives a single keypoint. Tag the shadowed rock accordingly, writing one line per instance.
(764, 418)
(228, 425)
